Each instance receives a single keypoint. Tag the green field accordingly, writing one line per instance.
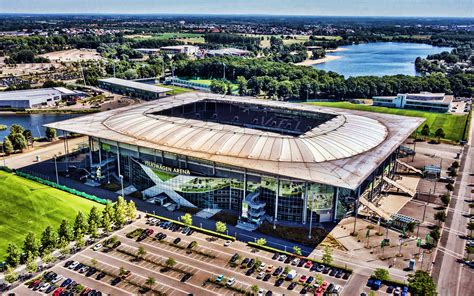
(176, 89)
(184, 37)
(29, 206)
(453, 125)
(235, 87)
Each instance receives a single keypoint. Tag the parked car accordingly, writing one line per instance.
(275, 256)
(250, 271)
(100, 276)
(115, 281)
(292, 286)
(227, 243)
(262, 266)
(333, 272)
(267, 277)
(295, 261)
(230, 282)
(186, 277)
(73, 265)
(260, 275)
(310, 280)
(303, 278)
(279, 282)
(291, 275)
(44, 286)
(308, 264)
(390, 289)
(185, 230)
(34, 284)
(176, 240)
(301, 263)
(126, 274)
(68, 263)
(91, 271)
(278, 270)
(234, 258)
(339, 274)
(251, 263)
(51, 289)
(57, 278)
(320, 267)
(282, 258)
(57, 292)
(66, 283)
(337, 289)
(245, 262)
(84, 268)
(97, 247)
(219, 278)
(190, 232)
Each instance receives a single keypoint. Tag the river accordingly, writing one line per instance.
(378, 58)
(33, 122)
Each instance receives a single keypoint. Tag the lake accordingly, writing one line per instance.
(33, 122)
(379, 58)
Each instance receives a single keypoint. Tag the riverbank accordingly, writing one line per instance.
(48, 111)
(328, 58)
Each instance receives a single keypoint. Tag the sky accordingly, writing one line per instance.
(444, 8)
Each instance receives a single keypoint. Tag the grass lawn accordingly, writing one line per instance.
(176, 89)
(29, 206)
(235, 87)
(164, 176)
(453, 125)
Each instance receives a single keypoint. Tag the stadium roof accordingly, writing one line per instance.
(341, 152)
(136, 85)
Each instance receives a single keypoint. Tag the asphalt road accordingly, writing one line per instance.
(454, 278)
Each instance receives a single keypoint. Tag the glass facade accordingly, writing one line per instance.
(204, 184)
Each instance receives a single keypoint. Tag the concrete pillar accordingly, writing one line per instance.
(336, 198)
(91, 147)
(305, 203)
(275, 219)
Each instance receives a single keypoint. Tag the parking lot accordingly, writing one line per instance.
(202, 269)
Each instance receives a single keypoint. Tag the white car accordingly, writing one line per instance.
(261, 292)
(73, 265)
(227, 243)
(262, 266)
(230, 282)
(57, 279)
(97, 247)
(337, 289)
(260, 275)
(44, 286)
(295, 261)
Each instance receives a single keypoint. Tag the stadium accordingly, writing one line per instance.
(265, 160)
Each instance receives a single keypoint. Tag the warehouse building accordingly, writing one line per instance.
(133, 89)
(264, 160)
(34, 98)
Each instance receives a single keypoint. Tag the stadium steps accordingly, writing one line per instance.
(399, 186)
(378, 211)
(410, 167)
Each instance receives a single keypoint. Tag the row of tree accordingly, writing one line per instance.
(291, 82)
(20, 138)
(116, 214)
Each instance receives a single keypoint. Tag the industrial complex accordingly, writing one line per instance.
(266, 160)
(425, 101)
(31, 98)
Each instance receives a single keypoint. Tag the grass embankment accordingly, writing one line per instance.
(29, 206)
(453, 125)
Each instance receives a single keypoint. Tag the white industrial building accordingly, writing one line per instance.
(31, 98)
(425, 101)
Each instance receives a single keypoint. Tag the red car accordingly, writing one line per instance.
(57, 292)
(324, 285)
(34, 284)
(149, 231)
(85, 291)
(308, 264)
(303, 279)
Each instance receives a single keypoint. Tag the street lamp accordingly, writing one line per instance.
(56, 168)
(121, 182)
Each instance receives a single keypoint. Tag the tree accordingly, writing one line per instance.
(435, 235)
(187, 219)
(47, 258)
(65, 231)
(16, 129)
(170, 262)
(106, 222)
(150, 281)
(131, 210)
(28, 136)
(11, 275)
(94, 262)
(261, 242)
(425, 131)
(411, 227)
(122, 271)
(65, 251)
(254, 289)
(382, 274)
(218, 87)
(120, 211)
(297, 250)
(242, 82)
(445, 199)
(50, 133)
(93, 218)
(7, 146)
(30, 246)
(93, 230)
(439, 133)
(31, 266)
(13, 255)
(286, 269)
(80, 242)
(421, 283)
(80, 224)
(49, 240)
(327, 256)
(141, 252)
(221, 227)
(440, 216)
(18, 141)
(470, 227)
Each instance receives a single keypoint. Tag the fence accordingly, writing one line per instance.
(62, 187)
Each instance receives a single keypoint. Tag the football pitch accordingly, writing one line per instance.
(452, 125)
(29, 206)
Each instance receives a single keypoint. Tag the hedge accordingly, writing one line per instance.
(391, 282)
(63, 188)
(267, 248)
(205, 231)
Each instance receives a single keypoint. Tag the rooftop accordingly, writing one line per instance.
(341, 150)
(35, 93)
(136, 85)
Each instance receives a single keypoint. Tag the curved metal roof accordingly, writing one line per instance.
(343, 136)
(341, 152)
